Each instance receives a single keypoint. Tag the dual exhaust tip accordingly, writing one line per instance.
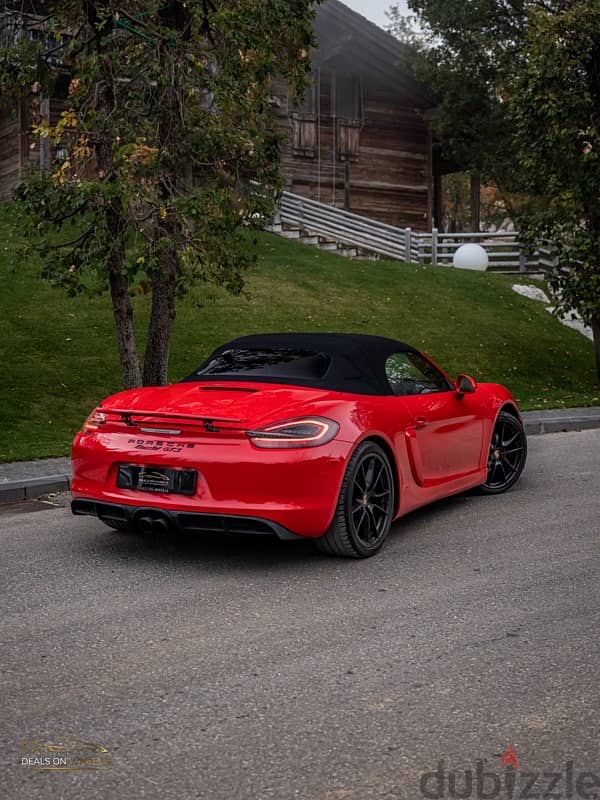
(153, 523)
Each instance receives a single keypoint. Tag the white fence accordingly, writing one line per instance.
(505, 250)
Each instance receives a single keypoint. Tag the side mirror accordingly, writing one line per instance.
(464, 385)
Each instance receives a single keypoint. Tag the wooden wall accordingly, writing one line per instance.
(10, 151)
(22, 153)
(389, 180)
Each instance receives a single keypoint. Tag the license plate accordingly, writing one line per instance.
(157, 479)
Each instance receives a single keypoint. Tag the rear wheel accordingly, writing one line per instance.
(507, 455)
(365, 507)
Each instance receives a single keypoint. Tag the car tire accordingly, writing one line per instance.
(365, 507)
(507, 454)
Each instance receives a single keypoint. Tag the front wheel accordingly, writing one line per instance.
(507, 455)
(365, 507)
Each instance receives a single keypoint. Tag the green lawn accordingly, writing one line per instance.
(59, 354)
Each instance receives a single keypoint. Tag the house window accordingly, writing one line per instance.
(11, 28)
(308, 103)
(349, 113)
(304, 124)
(348, 97)
(62, 152)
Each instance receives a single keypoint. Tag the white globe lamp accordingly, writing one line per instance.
(471, 256)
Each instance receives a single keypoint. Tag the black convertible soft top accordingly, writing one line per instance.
(343, 362)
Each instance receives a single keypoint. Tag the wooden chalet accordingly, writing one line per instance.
(21, 151)
(359, 140)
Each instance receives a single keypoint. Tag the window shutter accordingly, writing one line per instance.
(304, 135)
(348, 139)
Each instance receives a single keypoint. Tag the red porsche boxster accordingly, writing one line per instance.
(327, 436)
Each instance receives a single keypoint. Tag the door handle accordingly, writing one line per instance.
(420, 422)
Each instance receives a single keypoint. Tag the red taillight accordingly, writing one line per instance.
(94, 421)
(299, 432)
(97, 419)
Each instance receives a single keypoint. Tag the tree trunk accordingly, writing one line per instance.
(596, 332)
(164, 280)
(162, 316)
(121, 301)
(475, 202)
(115, 226)
(123, 312)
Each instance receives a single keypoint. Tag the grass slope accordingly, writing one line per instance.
(59, 354)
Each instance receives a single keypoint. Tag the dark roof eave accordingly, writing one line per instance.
(386, 55)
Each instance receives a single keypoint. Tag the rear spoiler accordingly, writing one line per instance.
(210, 424)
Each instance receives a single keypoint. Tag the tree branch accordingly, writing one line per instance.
(75, 242)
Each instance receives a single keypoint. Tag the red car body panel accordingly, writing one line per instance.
(437, 443)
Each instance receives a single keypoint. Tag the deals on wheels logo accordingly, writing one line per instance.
(509, 781)
(64, 754)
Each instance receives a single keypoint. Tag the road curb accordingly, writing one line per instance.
(30, 488)
(537, 422)
(559, 426)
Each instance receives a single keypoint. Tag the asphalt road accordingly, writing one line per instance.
(225, 669)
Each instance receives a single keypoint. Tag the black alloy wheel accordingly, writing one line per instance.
(365, 507)
(507, 454)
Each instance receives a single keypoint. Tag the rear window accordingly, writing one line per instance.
(269, 363)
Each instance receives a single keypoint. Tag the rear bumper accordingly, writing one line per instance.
(181, 521)
(292, 490)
